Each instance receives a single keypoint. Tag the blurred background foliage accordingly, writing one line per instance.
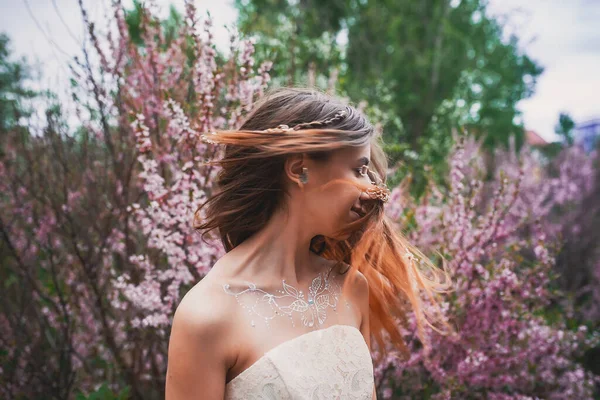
(13, 92)
(425, 68)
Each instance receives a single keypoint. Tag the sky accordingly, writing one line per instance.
(562, 36)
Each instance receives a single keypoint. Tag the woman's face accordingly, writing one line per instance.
(329, 204)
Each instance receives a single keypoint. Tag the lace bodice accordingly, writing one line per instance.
(328, 363)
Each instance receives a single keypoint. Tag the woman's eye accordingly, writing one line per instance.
(364, 170)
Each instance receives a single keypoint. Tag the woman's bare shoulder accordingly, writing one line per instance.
(207, 313)
(206, 305)
(201, 343)
(207, 299)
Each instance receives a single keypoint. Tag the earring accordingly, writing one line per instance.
(304, 175)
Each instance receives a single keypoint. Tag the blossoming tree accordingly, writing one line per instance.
(97, 245)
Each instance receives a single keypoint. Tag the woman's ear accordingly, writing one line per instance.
(293, 167)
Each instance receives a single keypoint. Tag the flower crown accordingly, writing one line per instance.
(310, 125)
(380, 189)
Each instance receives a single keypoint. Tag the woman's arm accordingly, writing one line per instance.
(197, 359)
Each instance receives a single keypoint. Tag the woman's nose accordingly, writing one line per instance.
(363, 200)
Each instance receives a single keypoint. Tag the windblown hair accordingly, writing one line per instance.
(251, 187)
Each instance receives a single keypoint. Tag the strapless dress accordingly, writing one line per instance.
(328, 363)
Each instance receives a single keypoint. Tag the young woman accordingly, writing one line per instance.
(312, 267)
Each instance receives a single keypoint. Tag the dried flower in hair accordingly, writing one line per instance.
(322, 123)
(206, 139)
(278, 129)
(379, 191)
(309, 125)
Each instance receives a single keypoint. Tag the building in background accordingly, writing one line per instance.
(532, 138)
(537, 144)
(587, 134)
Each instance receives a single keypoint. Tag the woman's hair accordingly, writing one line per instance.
(250, 187)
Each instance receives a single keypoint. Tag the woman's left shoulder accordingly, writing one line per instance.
(360, 294)
(358, 281)
(361, 284)
(358, 285)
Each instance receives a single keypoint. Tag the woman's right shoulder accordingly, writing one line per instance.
(208, 314)
(206, 303)
(201, 343)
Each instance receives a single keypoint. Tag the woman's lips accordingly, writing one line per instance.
(354, 214)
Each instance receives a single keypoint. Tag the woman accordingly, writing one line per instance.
(312, 268)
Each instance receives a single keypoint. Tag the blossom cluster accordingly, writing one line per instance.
(499, 239)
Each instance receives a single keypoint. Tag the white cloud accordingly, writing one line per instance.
(565, 39)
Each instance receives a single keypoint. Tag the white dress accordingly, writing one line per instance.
(328, 363)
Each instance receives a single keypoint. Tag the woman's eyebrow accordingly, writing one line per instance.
(364, 160)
